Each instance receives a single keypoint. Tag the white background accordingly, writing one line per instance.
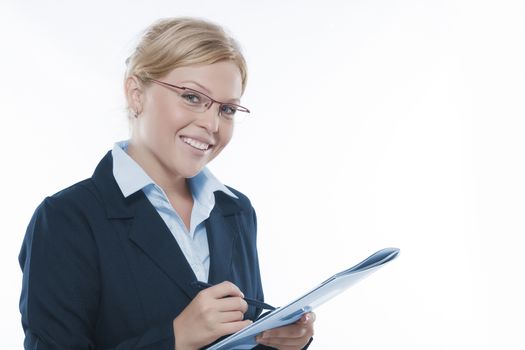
(375, 124)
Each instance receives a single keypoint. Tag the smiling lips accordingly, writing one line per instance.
(196, 144)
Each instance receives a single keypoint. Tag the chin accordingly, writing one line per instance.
(189, 173)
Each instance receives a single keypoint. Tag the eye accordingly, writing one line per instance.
(228, 111)
(191, 98)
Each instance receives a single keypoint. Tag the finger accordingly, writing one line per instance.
(283, 343)
(233, 327)
(232, 304)
(230, 316)
(292, 331)
(223, 290)
(307, 318)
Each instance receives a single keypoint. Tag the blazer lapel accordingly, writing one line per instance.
(150, 233)
(147, 229)
(222, 231)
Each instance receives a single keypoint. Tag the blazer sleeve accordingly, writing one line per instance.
(61, 284)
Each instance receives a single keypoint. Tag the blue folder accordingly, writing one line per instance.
(245, 338)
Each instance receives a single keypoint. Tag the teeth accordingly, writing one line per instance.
(196, 144)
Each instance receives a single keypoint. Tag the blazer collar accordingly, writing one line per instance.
(222, 229)
(117, 206)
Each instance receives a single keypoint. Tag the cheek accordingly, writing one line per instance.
(226, 135)
(168, 117)
(155, 131)
(166, 124)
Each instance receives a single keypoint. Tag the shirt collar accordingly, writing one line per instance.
(204, 184)
(130, 177)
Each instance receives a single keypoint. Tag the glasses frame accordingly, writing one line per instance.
(238, 108)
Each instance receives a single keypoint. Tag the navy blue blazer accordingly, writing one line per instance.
(101, 271)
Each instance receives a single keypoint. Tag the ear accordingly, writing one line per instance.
(134, 91)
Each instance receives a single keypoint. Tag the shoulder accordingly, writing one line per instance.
(81, 196)
(242, 200)
(240, 205)
(61, 226)
(68, 211)
(229, 205)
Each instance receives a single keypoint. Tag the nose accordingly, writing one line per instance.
(209, 119)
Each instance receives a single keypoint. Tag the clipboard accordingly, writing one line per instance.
(290, 313)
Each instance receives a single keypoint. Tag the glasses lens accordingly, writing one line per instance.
(195, 101)
(198, 102)
(234, 112)
(228, 111)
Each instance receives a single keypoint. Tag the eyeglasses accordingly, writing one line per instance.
(196, 101)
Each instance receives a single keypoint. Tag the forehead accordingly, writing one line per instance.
(222, 80)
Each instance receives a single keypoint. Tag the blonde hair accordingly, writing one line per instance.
(177, 42)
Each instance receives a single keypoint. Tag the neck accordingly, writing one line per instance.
(172, 184)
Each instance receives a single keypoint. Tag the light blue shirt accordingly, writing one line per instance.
(131, 178)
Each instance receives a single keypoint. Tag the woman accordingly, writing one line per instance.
(113, 261)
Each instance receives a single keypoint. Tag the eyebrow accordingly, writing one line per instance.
(236, 100)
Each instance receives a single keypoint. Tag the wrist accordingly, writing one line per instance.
(180, 343)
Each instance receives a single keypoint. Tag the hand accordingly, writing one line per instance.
(292, 337)
(213, 313)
